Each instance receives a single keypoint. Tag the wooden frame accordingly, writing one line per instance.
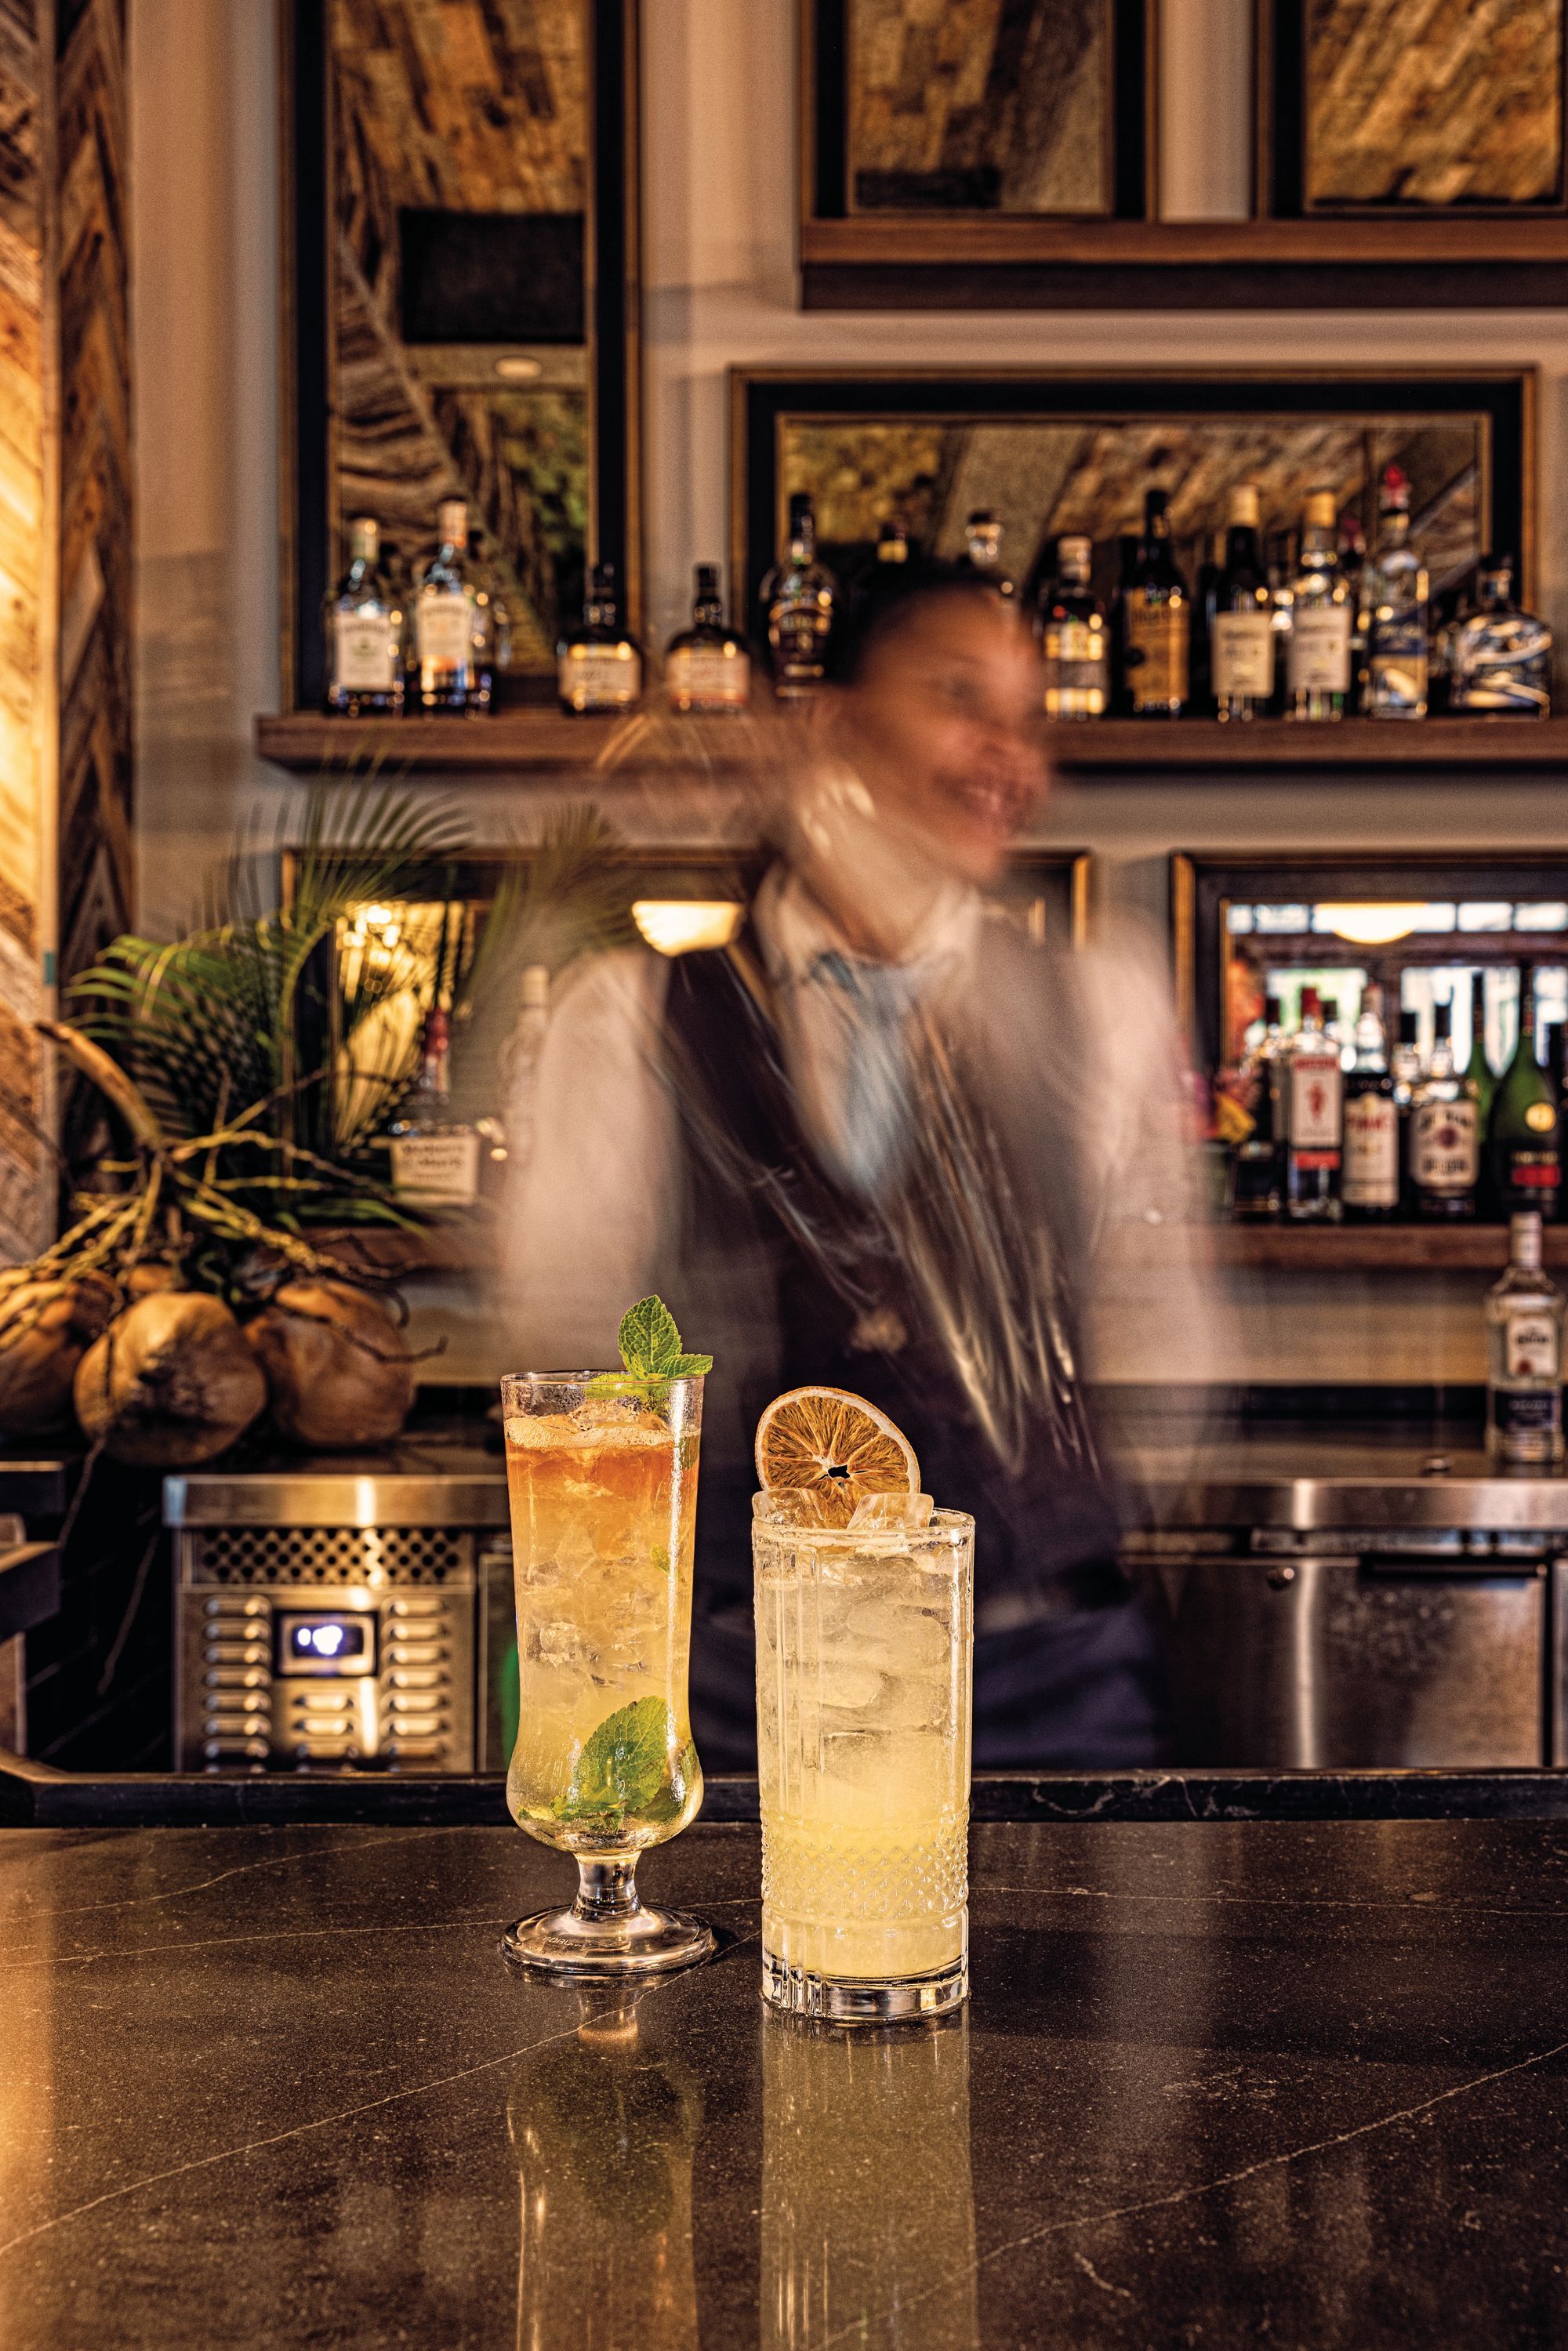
(614, 344)
(1203, 887)
(762, 398)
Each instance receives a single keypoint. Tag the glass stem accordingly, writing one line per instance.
(606, 1889)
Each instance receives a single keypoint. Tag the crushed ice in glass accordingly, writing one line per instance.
(888, 1513)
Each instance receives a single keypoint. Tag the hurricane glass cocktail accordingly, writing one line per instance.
(865, 1645)
(602, 1473)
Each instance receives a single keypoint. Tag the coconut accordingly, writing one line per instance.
(46, 1328)
(337, 1369)
(171, 1383)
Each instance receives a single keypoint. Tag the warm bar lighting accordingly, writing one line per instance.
(677, 925)
(1372, 926)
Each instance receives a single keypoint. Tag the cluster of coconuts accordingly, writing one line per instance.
(170, 1377)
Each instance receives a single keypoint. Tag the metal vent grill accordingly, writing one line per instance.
(288, 1555)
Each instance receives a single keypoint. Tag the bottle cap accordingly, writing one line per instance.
(1155, 505)
(1319, 513)
(707, 583)
(983, 518)
(1524, 1239)
(452, 521)
(1311, 1004)
(1394, 494)
(1409, 1028)
(1245, 508)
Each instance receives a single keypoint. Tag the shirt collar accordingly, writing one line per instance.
(794, 929)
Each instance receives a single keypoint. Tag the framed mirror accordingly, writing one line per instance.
(462, 272)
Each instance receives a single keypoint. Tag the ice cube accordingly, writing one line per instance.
(557, 1641)
(897, 1640)
(886, 1513)
(853, 1687)
(791, 1505)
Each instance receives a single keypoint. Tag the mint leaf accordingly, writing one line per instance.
(670, 1798)
(623, 1767)
(650, 1342)
(688, 1367)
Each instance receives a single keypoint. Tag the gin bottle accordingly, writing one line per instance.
(1397, 594)
(434, 1154)
(1524, 1353)
(1313, 1091)
(800, 604)
(1499, 658)
(1317, 666)
(1242, 637)
(452, 623)
(365, 646)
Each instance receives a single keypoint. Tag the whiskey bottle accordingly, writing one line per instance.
(1241, 652)
(451, 632)
(1524, 1353)
(598, 665)
(434, 1154)
(1313, 1090)
(799, 604)
(982, 556)
(1445, 1132)
(1075, 643)
(1318, 666)
(893, 542)
(707, 669)
(366, 648)
(1524, 1169)
(1369, 1186)
(1396, 610)
(1204, 612)
(1499, 658)
(1157, 619)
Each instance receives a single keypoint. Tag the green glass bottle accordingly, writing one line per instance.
(1480, 1073)
(1522, 1163)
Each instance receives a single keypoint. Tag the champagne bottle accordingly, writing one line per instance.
(1522, 1163)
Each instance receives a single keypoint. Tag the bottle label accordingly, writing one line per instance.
(437, 1170)
(1371, 1152)
(705, 677)
(1243, 655)
(599, 677)
(1445, 1146)
(1315, 1109)
(446, 632)
(1077, 670)
(1529, 1344)
(1533, 1168)
(1074, 640)
(798, 636)
(1538, 1413)
(1156, 654)
(365, 653)
(1319, 659)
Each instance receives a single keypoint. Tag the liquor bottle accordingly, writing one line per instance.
(451, 627)
(1370, 1181)
(799, 603)
(1257, 1185)
(434, 1154)
(1075, 642)
(1313, 1088)
(1553, 1042)
(1499, 658)
(708, 668)
(1318, 679)
(1478, 1068)
(1127, 545)
(1156, 621)
(366, 647)
(1445, 1134)
(1354, 564)
(1522, 1164)
(1280, 569)
(497, 616)
(1397, 612)
(1241, 655)
(598, 665)
(982, 555)
(521, 1063)
(1205, 611)
(1524, 1353)
(893, 542)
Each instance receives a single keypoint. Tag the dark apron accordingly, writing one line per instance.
(790, 1280)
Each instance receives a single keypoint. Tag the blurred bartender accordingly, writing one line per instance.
(883, 1143)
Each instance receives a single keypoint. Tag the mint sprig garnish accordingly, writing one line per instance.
(625, 1768)
(651, 1345)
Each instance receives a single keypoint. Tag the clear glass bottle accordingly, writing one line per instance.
(452, 651)
(1156, 621)
(707, 667)
(1313, 1089)
(1445, 1147)
(1256, 1192)
(982, 553)
(1522, 1166)
(1498, 657)
(1075, 642)
(801, 603)
(1524, 1353)
(598, 665)
(1242, 635)
(436, 1155)
(1318, 666)
(1281, 567)
(367, 649)
(1370, 1181)
(1397, 610)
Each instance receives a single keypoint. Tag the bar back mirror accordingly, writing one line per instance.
(462, 276)
(1405, 107)
(1052, 454)
(1461, 928)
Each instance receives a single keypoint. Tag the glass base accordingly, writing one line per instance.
(866, 1999)
(645, 1943)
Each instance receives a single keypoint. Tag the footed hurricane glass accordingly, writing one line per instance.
(602, 1473)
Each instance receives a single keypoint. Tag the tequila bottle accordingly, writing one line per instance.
(1396, 605)
(1499, 658)
(452, 623)
(365, 637)
(1524, 1353)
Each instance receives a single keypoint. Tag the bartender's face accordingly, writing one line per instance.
(945, 718)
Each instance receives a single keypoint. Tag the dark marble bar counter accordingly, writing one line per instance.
(1221, 2083)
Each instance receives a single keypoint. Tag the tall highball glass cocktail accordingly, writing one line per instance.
(864, 1661)
(601, 1471)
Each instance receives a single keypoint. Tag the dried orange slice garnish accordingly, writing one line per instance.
(826, 1442)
